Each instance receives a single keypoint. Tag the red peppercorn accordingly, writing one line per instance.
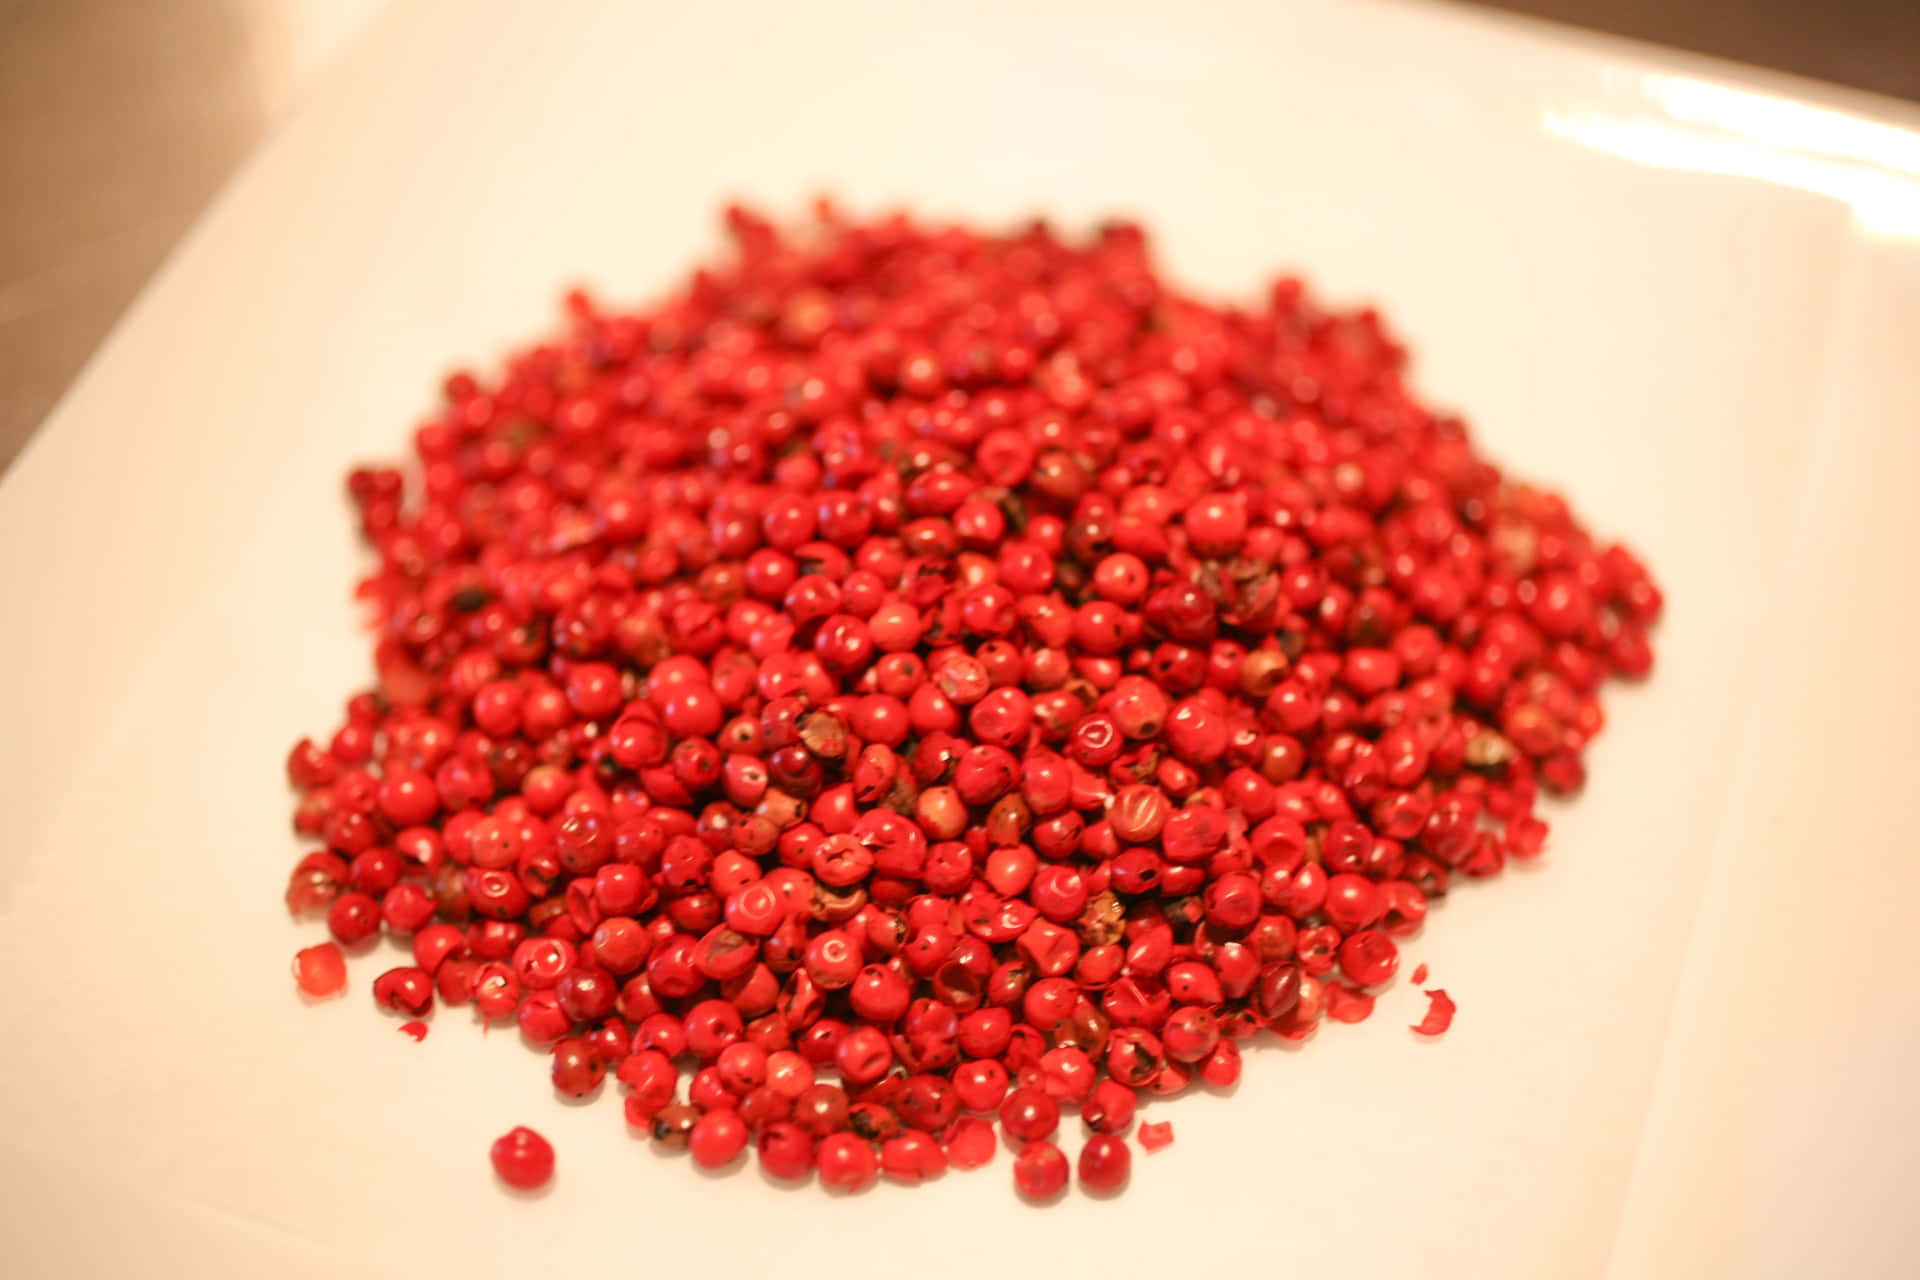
(1066, 1074)
(980, 1085)
(1190, 1033)
(1221, 1068)
(879, 994)
(496, 990)
(742, 1067)
(1353, 902)
(1105, 1163)
(577, 1069)
(711, 1026)
(652, 1079)
(672, 1126)
(542, 1019)
(821, 1109)
(1109, 1107)
(1233, 902)
(717, 1139)
(407, 990)
(1040, 1171)
(315, 882)
(846, 1162)
(912, 1157)
(1029, 1115)
(1369, 957)
(522, 1158)
(985, 1032)
(542, 962)
(320, 971)
(788, 1074)
(926, 1102)
(970, 1142)
(863, 1055)
(833, 961)
(353, 918)
(1191, 982)
(786, 1151)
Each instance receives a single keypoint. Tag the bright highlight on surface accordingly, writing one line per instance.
(1873, 168)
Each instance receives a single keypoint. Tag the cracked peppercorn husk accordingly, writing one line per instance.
(912, 678)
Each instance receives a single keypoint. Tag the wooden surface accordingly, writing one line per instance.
(120, 119)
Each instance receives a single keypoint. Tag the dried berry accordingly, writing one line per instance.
(320, 970)
(523, 1158)
(1041, 1171)
(1105, 1163)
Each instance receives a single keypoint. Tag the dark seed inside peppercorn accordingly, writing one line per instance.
(673, 1125)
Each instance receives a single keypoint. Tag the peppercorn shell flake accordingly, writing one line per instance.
(1439, 1015)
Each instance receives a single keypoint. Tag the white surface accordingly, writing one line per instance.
(1712, 362)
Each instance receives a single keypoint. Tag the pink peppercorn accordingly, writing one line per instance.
(717, 1139)
(846, 1163)
(1029, 1115)
(785, 1150)
(981, 1085)
(320, 970)
(970, 1142)
(1105, 1163)
(1369, 957)
(1041, 1171)
(523, 1158)
(912, 1157)
(407, 990)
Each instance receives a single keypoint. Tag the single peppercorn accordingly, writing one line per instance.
(407, 990)
(1105, 1163)
(1029, 1115)
(1041, 1171)
(846, 1162)
(1369, 957)
(717, 1139)
(522, 1158)
(785, 1150)
(1109, 1108)
(320, 970)
(672, 1125)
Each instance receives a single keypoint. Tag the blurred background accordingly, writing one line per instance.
(120, 120)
